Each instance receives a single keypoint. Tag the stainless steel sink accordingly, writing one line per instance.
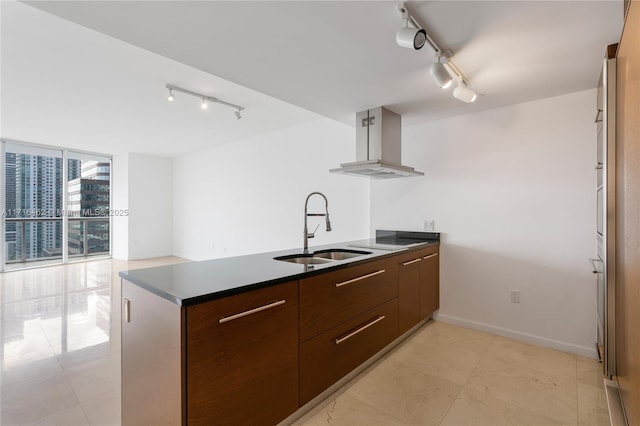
(304, 259)
(339, 254)
(322, 256)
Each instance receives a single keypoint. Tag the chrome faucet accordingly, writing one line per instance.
(308, 234)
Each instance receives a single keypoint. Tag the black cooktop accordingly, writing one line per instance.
(405, 238)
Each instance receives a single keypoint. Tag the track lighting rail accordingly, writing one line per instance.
(204, 98)
(442, 56)
(445, 54)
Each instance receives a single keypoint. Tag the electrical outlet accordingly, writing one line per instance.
(429, 225)
(515, 296)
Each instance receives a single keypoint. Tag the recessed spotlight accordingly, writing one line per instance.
(170, 98)
(204, 104)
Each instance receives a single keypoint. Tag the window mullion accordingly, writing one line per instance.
(65, 206)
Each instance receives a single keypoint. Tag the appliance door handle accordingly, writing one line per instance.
(127, 310)
(595, 268)
(251, 311)
(598, 118)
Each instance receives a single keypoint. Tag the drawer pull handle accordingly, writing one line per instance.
(381, 271)
(373, 274)
(430, 256)
(363, 328)
(411, 261)
(252, 311)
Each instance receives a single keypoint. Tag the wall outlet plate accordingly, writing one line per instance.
(429, 225)
(515, 296)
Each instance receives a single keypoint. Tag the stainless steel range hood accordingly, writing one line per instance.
(378, 149)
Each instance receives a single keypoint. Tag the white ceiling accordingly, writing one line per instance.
(330, 57)
(66, 86)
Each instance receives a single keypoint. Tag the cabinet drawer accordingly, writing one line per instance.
(328, 357)
(429, 250)
(242, 357)
(330, 299)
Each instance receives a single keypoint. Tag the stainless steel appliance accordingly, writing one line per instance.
(378, 147)
(604, 263)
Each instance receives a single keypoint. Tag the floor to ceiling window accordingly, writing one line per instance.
(56, 205)
(88, 182)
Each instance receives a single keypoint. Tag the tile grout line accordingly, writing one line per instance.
(84, 415)
(464, 386)
(64, 373)
(524, 407)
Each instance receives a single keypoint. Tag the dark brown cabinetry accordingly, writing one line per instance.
(331, 355)
(327, 300)
(346, 317)
(257, 356)
(429, 281)
(418, 286)
(230, 361)
(408, 290)
(242, 358)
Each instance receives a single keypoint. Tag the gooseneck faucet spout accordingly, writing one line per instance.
(308, 234)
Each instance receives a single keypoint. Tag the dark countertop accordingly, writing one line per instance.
(196, 282)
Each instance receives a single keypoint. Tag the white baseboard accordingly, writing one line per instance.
(589, 352)
(150, 256)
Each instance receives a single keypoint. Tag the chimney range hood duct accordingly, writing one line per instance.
(378, 147)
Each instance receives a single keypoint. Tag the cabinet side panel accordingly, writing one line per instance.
(151, 359)
(627, 281)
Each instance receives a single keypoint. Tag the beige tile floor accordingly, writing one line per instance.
(60, 356)
(60, 352)
(451, 376)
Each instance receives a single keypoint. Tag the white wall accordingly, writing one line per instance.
(150, 206)
(248, 196)
(120, 201)
(513, 192)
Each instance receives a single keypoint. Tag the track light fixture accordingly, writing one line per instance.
(463, 93)
(444, 70)
(410, 36)
(440, 74)
(205, 99)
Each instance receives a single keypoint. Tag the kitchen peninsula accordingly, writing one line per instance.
(251, 339)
